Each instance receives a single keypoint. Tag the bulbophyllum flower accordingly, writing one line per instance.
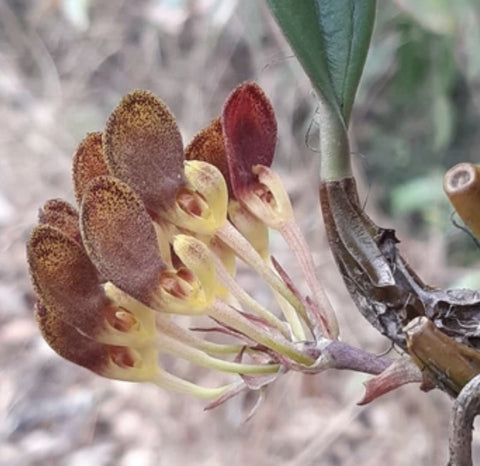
(157, 232)
(250, 133)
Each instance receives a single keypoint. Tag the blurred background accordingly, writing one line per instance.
(64, 65)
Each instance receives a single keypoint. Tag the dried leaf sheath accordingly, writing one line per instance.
(365, 269)
(384, 288)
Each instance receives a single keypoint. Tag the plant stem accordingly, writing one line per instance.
(166, 325)
(226, 315)
(334, 148)
(465, 408)
(171, 382)
(244, 250)
(246, 300)
(296, 241)
(342, 356)
(176, 348)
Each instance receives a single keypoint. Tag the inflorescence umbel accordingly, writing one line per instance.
(157, 233)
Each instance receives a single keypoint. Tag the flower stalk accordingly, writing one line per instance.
(230, 236)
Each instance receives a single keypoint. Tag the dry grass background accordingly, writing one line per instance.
(60, 79)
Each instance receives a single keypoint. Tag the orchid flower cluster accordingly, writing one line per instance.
(157, 233)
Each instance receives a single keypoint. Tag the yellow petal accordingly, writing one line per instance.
(197, 257)
(201, 207)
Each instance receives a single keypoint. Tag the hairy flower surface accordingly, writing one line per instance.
(157, 232)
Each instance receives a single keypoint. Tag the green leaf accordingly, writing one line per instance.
(331, 40)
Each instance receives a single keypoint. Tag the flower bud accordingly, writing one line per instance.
(197, 257)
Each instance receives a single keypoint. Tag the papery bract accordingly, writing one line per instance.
(401, 372)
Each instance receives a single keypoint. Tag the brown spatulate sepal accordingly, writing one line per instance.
(88, 163)
(62, 215)
(120, 238)
(143, 148)
(250, 132)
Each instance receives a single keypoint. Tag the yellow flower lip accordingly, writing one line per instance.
(121, 319)
(197, 257)
(200, 206)
(180, 292)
